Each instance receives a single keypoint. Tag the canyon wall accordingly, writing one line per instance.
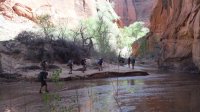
(177, 23)
(144, 9)
(130, 11)
(68, 10)
(18, 15)
(125, 10)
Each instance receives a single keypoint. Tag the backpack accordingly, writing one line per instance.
(70, 63)
(83, 62)
(39, 76)
(100, 61)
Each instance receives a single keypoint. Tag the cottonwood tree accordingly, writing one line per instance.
(102, 36)
(80, 34)
(46, 25)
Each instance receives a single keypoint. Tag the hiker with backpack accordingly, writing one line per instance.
(100, 63)
(42, 78)
(133, 62)
(44, 65)
(129, 61)
(83, 63)
(70, 64)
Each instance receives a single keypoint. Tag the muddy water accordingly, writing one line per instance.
(157, 92)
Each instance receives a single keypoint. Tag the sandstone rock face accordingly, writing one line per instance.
(126, 11)
(178, 23)
(6, 9)
(144, 10)
(25, 11)
(134, 10)
(19, 15)
(66, 10)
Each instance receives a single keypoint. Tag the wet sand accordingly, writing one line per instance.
(157, 92)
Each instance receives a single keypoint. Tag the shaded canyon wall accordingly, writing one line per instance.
(177, 22)
(130, 11)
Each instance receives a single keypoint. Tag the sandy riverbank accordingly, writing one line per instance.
(109, 70)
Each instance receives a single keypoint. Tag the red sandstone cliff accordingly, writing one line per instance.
(178, 24)
(126, 11)
(66, 10)
(74, 10)
(134, 10)
(17, 15)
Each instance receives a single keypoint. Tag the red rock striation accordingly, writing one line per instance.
(62, 10)
(144, 10)
(74, 10)
(178, 24)
(25, 11)
(125, 10)
(134, 10)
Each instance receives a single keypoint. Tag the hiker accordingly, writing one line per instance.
(43, 65)
(83, 63)
(100, 62)
(133, 62)
(121, 60)
(129, 62)
(70, 64)
(42, 78)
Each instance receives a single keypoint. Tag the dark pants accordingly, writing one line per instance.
(84, 68)
(133, 63)
(100, 67)
(43, 83)
(129, 65)
(70, 69)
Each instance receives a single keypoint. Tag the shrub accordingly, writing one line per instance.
(39, 48)
(25, 37)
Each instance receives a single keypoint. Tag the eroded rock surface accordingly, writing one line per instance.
(20, 15)
(25, 11)
(134, 10)
(72, 10)
(178, 24)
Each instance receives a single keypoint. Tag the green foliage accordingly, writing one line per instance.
(49, 97)
(130, 34)
(104, 30)
(56, 75)
(52, 100)
(101, 30)
(143, 46)
(107, 37)
(102, 37)
(98, 34)
(105, 8)
(46, 24)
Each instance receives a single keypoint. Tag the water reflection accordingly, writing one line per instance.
(155, 93)
(7, 110)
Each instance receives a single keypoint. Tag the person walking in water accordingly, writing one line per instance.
(100, 63)
(70, 64)
(133, 62)
(42, 78)
(83, 63)
(129, 62)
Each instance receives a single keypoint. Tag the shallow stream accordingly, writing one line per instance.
(158, 92)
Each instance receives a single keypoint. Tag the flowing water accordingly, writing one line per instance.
(158, 92)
